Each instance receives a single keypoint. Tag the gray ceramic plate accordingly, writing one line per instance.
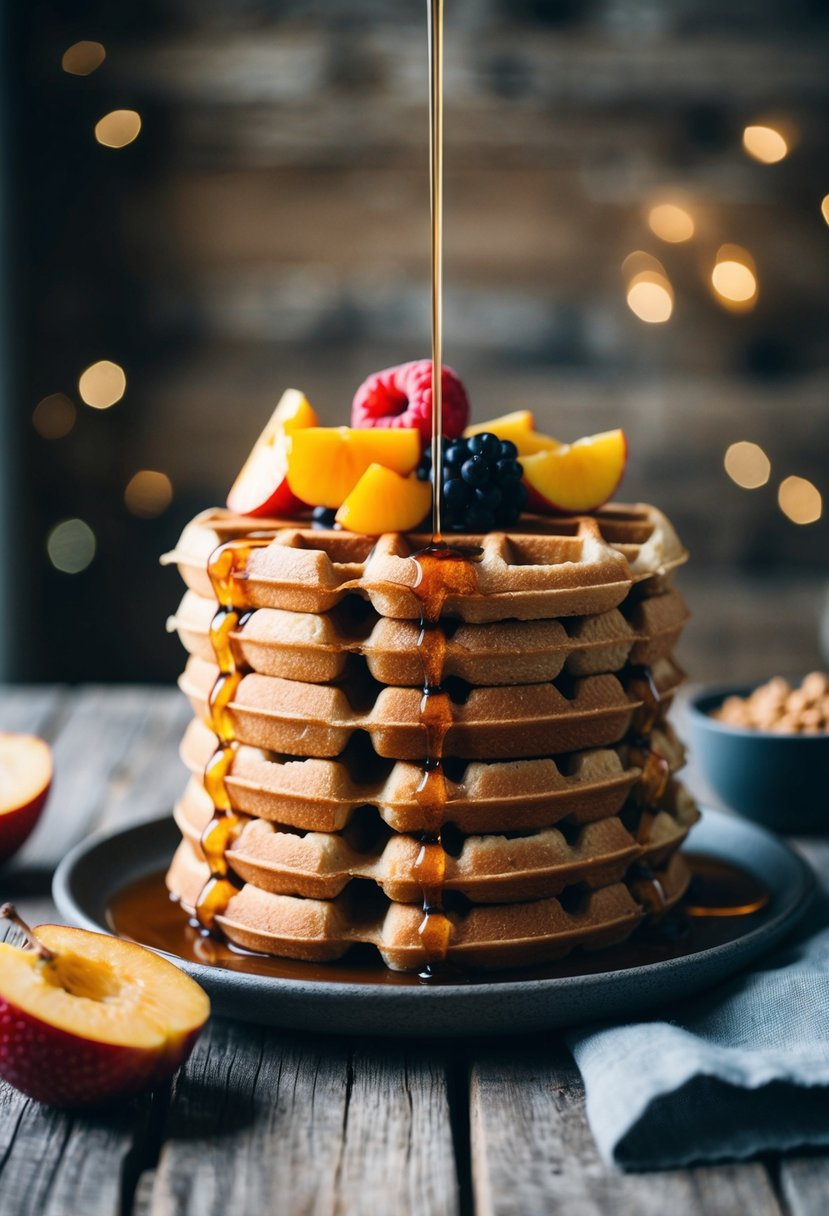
(93, 872)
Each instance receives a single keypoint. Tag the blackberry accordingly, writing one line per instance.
(324, 517)
(482, 486)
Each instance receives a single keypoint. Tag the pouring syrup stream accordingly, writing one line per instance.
(436, 207)
(441, 570)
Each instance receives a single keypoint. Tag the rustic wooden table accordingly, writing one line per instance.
(264, 1121)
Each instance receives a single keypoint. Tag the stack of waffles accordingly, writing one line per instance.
(561, 815)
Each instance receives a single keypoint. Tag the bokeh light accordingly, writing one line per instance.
(766, 144)
(671, 223)
(118, 128)
(82, 58)
(148, 493)
(650, 299)
(747, 465)
(734, 278)
(638, 261)
(824, 207)
(649, 294)
(800, 500)
(102, 384)
(54, 416)
(71, 546)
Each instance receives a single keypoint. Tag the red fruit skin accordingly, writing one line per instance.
(62, 1069)
(17, 826)
(281, 503)
(402, 397)
(248, 496)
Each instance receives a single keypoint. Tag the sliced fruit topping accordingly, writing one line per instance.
(383, 501)
(576, 477)
(87, 1018)
(402, 396)
(25, 781)
(325, 463)
(517, 428)
(481, 483)
(261, 487)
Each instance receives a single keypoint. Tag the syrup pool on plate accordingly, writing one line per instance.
(725, 902)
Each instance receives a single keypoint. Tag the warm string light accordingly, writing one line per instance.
(649, 294)
(148, 493)
(118, 128)
(824, 207)
(54, 416)
(734, 278)
(671, 223)
(747, 465)
(800, 500)
(71, 546)
(765, 144)
(102, 384)
(82, 58)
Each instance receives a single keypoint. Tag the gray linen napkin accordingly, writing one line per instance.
(740, 1070)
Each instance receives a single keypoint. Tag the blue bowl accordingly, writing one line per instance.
(781, 781)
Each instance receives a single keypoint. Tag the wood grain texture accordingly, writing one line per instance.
(532, 1151)
(56, 1163)
(33, 710)
(804, 1182)
(115, 762)
(261, 1122)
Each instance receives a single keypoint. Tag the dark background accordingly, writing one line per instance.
(269, 227)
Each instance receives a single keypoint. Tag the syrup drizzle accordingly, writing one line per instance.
(441, 571)
(226, 568)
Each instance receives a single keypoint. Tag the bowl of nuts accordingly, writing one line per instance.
(765, 750)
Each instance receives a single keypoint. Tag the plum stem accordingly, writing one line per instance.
(9, 912)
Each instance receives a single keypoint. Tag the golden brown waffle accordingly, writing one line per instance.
(485, 869)
(574, 566)
(323, 795)
(489, 723)
(320, 648)
(483, 936)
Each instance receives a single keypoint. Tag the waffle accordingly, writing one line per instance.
(487, 936)
(497, 723)
(546, 846)
(576, 566)
(321, 648)
(323, 795)
(484, 869)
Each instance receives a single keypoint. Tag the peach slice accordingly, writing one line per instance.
(25, 781)
(383, 501)
(261, 487)
(87, 1018)
(519, 428)
(325, 463)
(576, 477)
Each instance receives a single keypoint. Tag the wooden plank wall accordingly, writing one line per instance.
(270, 227)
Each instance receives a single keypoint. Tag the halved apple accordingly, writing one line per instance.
(383, 501)
(519, 428)
(261, 487)
(576, 477)
(88, 1018)
(326, 462)
(25, 781)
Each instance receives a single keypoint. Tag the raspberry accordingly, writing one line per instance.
(481, 481)
(402, 396)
